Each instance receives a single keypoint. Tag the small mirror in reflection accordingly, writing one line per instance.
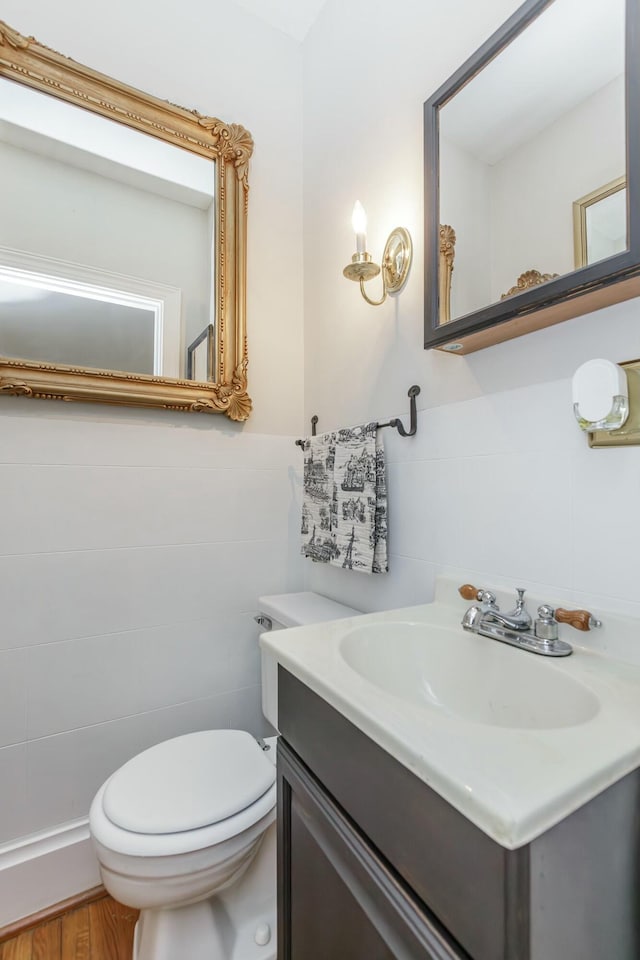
(600, 223)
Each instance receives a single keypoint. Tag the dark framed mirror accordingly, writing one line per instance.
(542, 117)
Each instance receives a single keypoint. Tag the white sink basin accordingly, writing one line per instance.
(471, 677)
(514, 741)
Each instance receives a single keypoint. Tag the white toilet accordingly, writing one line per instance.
(185, 831)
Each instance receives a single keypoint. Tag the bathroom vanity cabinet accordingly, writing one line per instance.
(374, 864)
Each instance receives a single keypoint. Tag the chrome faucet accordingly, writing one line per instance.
(485, 618)
(517, 619)
(489, 612)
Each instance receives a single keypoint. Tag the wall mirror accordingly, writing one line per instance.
(531, 160)
(122, 241)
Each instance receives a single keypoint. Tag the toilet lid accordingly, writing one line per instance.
(188, 782)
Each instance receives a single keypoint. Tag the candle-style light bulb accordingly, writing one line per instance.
(359, 223)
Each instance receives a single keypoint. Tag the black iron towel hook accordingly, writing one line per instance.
(396, 422)
(413, 416)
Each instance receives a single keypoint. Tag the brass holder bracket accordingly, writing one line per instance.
(629, 433)
(396, 261)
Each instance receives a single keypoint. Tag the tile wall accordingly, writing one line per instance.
(502, 490)
(131, 557)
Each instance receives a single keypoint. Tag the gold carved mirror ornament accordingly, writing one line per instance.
(447, 256)
(230, 146)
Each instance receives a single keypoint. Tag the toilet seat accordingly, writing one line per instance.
(251, 809)
(188, 782)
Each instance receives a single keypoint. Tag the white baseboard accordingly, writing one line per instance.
(45, 868)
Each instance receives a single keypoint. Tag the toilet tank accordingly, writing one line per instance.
(282, 610)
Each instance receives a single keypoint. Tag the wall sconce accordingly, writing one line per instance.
(606, 402)
(396, 258)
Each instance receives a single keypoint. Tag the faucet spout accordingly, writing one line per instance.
(488, 612)
(473, 618)
(510, 621)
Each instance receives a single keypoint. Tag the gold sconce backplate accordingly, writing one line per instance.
(396, 259)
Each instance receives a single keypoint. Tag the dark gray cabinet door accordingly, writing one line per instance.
(477, 890)
(374, 864)
(337, 898)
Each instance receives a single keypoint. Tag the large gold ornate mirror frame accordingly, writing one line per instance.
(26, 61)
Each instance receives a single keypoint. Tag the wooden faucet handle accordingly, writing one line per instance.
(580, 619)
(468, 592)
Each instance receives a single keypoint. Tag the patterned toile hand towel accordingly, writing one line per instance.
(344, 510)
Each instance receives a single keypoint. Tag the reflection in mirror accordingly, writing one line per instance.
(200, 355)
(36, 324)
(108, 198)
(600, 223)
(541, 124)
(526, 280)
(52, 320)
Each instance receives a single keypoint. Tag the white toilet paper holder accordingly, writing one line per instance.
(606, 402)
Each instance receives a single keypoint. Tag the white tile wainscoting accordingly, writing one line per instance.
(503, 490)
(131, 560)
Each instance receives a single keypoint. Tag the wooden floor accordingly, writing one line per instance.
(103, 930)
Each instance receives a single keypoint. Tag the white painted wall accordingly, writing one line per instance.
(499, 486)
(134, 544)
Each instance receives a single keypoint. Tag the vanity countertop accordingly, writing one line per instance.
(514, 782)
